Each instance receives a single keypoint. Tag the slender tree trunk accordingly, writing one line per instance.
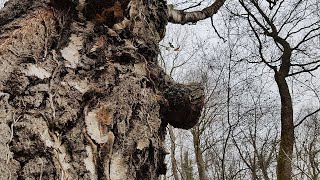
(172, 153)
(284, 169)
(81, 94)
(198, 153)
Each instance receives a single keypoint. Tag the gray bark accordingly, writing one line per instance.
(81, 94)
(172, 154)
(198, 153)
(182, 17)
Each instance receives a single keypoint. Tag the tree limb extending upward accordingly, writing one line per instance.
(182, 17)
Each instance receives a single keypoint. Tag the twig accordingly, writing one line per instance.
(303, 119)
(216, 31)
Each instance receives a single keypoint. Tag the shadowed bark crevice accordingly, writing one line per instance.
(14, 9)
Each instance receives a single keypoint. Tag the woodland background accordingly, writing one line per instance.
(238, 134)
(239, 130)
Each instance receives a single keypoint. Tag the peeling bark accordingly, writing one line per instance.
(81, 94)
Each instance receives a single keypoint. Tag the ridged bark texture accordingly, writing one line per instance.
(81, 94)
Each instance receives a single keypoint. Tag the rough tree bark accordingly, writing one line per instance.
(81, 94)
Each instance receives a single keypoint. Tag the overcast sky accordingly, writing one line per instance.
(2, 3)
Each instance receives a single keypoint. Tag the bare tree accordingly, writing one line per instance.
(255, 137)
(283, 37)
(307, 163)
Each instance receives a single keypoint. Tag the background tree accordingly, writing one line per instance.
(255, 99)
(284, 33)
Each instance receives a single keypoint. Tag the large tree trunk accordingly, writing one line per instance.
(81, 94)
(284, 159)
(284, 169)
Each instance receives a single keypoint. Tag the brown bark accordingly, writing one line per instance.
(284, 169)
(284, 161)
(81, 94)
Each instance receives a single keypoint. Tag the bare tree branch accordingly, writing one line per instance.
(260, 47)
(216, 31)
(181, 17)
(304, 70)
(303, 119)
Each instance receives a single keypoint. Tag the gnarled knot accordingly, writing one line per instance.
(185, 103)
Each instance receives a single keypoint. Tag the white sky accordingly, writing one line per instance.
(2, 3)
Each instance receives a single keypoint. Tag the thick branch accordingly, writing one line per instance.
(182, 103)
(182, 17)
